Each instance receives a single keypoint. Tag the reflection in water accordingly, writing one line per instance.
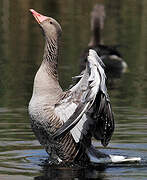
(70, 173)
(20, 56)
(112, 171)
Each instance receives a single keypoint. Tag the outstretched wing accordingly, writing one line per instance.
(86, 110)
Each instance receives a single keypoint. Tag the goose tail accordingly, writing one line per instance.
(98, 157)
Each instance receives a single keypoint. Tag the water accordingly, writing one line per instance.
(21, 48)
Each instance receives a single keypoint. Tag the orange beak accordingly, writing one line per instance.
(39, 18)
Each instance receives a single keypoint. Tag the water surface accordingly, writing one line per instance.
(21, 50)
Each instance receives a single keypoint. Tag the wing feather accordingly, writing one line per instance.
(86, 110)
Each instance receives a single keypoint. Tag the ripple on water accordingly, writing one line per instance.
(21, 154)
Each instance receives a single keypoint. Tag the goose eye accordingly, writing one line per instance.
(51, 22)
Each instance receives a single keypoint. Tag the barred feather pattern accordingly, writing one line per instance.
(47, 118)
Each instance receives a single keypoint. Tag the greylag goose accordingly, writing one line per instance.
(64, 122)
(109, 54)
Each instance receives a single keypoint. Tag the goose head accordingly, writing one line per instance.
(51, 28)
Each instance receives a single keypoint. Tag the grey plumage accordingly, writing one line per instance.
(64, 122)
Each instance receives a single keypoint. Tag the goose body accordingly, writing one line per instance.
(64, 122)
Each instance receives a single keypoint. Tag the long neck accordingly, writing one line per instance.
(46, 82)
(97, 24)
(50, 57)
(96, 32)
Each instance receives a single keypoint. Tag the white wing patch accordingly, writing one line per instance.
(64, 111)
(77, 130)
